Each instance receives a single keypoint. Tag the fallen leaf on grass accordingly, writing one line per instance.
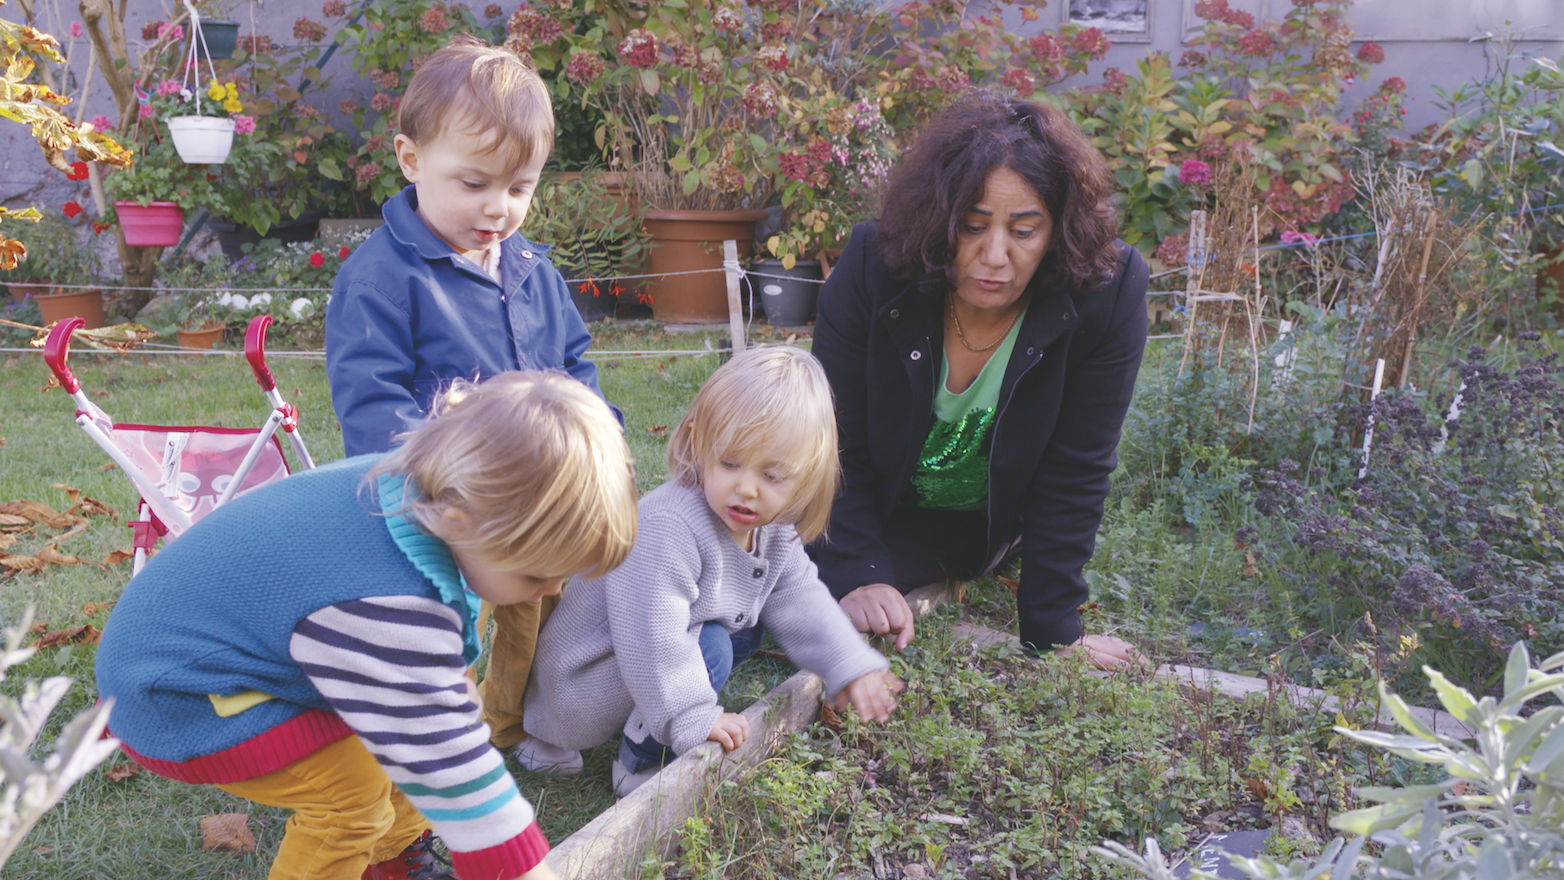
(1256, 786)
(39, 627)
(86, 634)
(48, 553)
(108, 466)
(24, 564)
(37, 511)
(91, 609)
(230, 831)
(85, 505)
(1012, 583)
(1249, 569)
(6, 540)
(11, 519)
(657, 430)
(115, 557)
(124, 772)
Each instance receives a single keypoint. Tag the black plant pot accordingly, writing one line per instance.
(221, 38)
(788, 295)
(594, 308)
(232, 237)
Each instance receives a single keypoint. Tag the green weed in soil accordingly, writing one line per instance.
(998, 764)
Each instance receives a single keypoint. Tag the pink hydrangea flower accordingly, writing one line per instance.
(1293, 236)
(1194, 173)
(170, 31)
(1373, 53)
(639, 49)
(584, 67)
(168, 87)
(244, 124)
(76, 30)
(102, 123)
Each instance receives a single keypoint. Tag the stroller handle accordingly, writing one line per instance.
(58, 348)
(255, 351)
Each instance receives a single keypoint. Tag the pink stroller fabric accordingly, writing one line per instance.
(193, 466)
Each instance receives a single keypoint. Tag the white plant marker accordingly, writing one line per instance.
(1368, 433)
(1452, 415)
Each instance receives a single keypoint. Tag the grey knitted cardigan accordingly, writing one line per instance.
(620, 653)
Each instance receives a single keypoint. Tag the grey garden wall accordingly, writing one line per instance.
(1426, 43)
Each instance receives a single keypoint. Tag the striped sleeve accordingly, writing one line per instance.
(391, 667)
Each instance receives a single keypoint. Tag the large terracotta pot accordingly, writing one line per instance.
(84, 304)
(684, 241)
(156, 224)
(20, 292)
(204, 338)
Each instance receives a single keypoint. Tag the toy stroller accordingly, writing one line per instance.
(185, 472)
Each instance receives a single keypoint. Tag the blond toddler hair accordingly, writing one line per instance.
(537, 465)
(772, 404)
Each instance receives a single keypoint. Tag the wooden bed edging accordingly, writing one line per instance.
(1195, 680)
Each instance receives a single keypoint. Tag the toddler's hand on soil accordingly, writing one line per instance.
(1108, 652)
(873, 695)
(731, 730)
(880, 609)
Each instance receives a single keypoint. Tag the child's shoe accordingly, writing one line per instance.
(417, 862)
(540, 757)
(626, 782)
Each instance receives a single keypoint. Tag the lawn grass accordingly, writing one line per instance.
(145, 826)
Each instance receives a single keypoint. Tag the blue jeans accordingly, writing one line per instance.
(721, 652)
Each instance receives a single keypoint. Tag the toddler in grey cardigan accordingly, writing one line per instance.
(718, 557)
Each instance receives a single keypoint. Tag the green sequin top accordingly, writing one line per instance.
(952, 472)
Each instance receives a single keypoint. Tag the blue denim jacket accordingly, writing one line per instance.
(408, 315)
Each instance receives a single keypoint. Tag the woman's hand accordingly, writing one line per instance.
(873, 695)
(1107, 652)
(880, 609)
(730, 730)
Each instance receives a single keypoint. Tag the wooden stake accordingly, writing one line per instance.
(730, 262)
(1368, 432)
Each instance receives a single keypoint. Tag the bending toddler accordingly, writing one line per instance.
(304, 646)
(643, 651)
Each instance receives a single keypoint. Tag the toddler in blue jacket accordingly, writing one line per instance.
(446, 290)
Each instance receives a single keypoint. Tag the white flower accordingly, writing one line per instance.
(260, 299)
(233, 300)
(301, 307)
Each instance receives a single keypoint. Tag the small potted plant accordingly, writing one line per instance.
(203, 300)
(594, 237)
(201, 119)
(150, 197)
(59, 273)
(214, 37)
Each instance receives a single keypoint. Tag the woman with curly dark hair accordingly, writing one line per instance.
(982, 339)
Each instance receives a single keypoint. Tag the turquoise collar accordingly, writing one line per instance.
(432, 559)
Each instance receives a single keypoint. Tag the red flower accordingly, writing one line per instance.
(317, 260)
(78, 171)
(1372, 53)
(343, 254)
(72, 209)
(97, 227)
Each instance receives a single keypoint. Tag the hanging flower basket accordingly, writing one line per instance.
(202, 139)
(152, 225)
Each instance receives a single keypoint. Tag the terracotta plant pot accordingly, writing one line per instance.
(153, 225)
(84, 304)
(202, 140)
(684, 241)
(203, 339)
(20, 292)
